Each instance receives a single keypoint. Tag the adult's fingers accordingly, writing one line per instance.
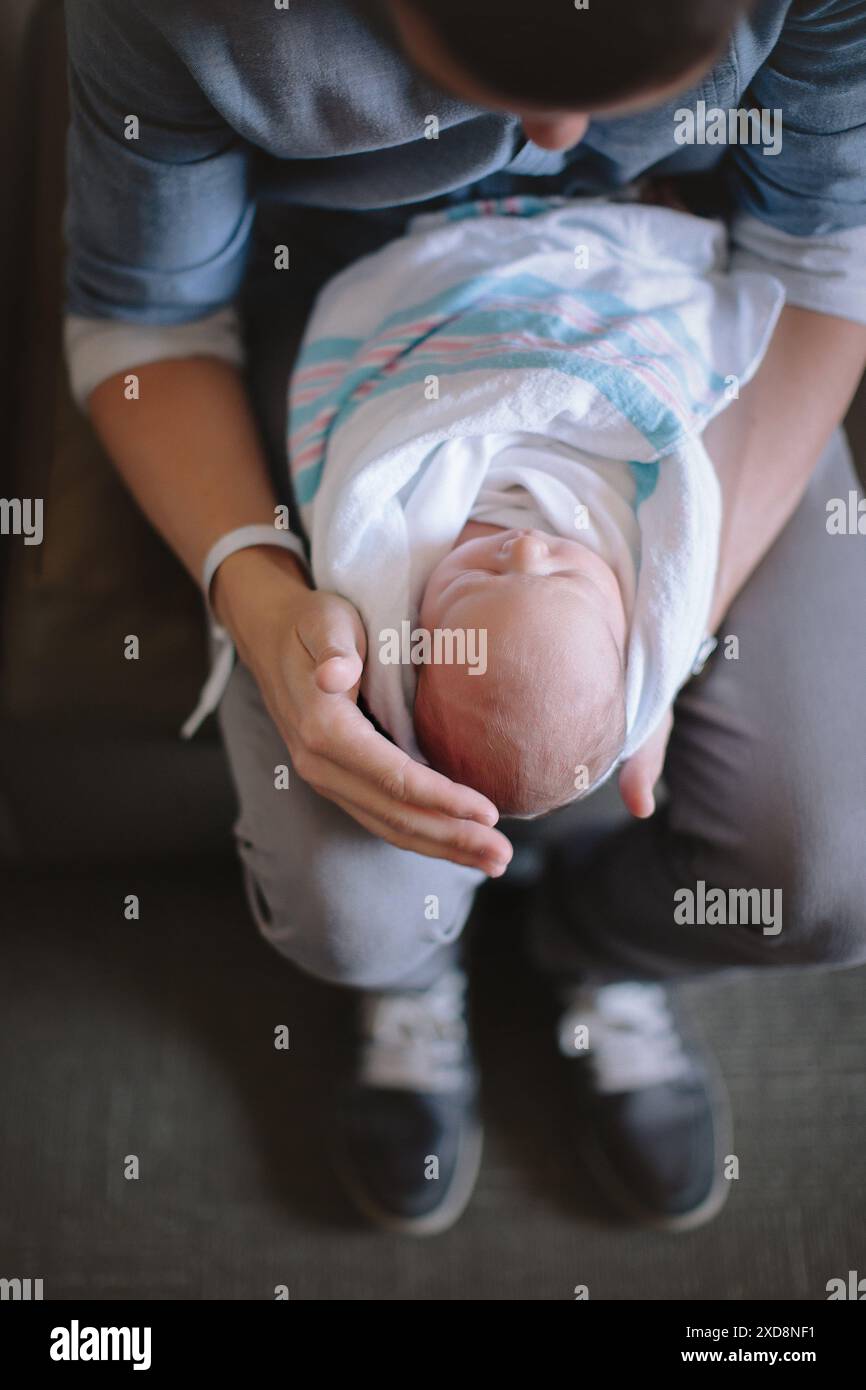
(419, 843)
(345, 737)
(636, 790)
(640, 774)
(481, 843)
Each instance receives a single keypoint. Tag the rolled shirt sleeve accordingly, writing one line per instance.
(99, 348)
(826, 273)
(159, 211)
(801, 212)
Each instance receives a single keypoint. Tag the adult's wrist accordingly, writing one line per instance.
(252, 590)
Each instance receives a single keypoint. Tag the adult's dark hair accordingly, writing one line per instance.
(550, 53)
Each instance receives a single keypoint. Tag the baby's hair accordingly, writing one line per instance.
(467, 730)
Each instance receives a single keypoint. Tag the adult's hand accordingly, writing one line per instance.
(306, 650)
(190, 452)
(640, 774)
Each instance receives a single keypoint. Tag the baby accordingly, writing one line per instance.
(546, 569)
(546, 719)
(495, 430)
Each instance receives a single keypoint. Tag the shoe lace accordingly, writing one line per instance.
(631, 1038)
(416, 1040)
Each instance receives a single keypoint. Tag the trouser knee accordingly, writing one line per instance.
(327, 924)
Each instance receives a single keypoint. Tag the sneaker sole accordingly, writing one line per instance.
(449, 1210)
(712, 1204)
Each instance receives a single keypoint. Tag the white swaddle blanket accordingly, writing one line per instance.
(596, 340)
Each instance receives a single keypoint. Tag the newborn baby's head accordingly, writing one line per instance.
(546, 717)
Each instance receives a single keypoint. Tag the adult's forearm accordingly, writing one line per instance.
(189, 451)
(766, 444)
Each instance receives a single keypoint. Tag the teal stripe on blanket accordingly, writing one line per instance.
(646, 476)
(523, 289)
(306, 483)
(324, 349)
(631, 398)
(515, 205)
(657, 422)
(451, 311)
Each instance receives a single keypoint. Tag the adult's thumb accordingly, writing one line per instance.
(334, 640)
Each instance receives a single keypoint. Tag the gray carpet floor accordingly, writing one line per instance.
(155, 1038)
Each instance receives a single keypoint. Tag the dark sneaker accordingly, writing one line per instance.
(652, 1111)
(409, 1137)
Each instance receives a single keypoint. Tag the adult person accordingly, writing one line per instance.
(188, 117)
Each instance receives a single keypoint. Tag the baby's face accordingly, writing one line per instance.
(490, 570)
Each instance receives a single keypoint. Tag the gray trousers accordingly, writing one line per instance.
(766, 779)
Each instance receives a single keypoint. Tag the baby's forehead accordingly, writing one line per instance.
(564, 634)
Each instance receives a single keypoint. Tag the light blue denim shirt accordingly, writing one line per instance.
(186, 114)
